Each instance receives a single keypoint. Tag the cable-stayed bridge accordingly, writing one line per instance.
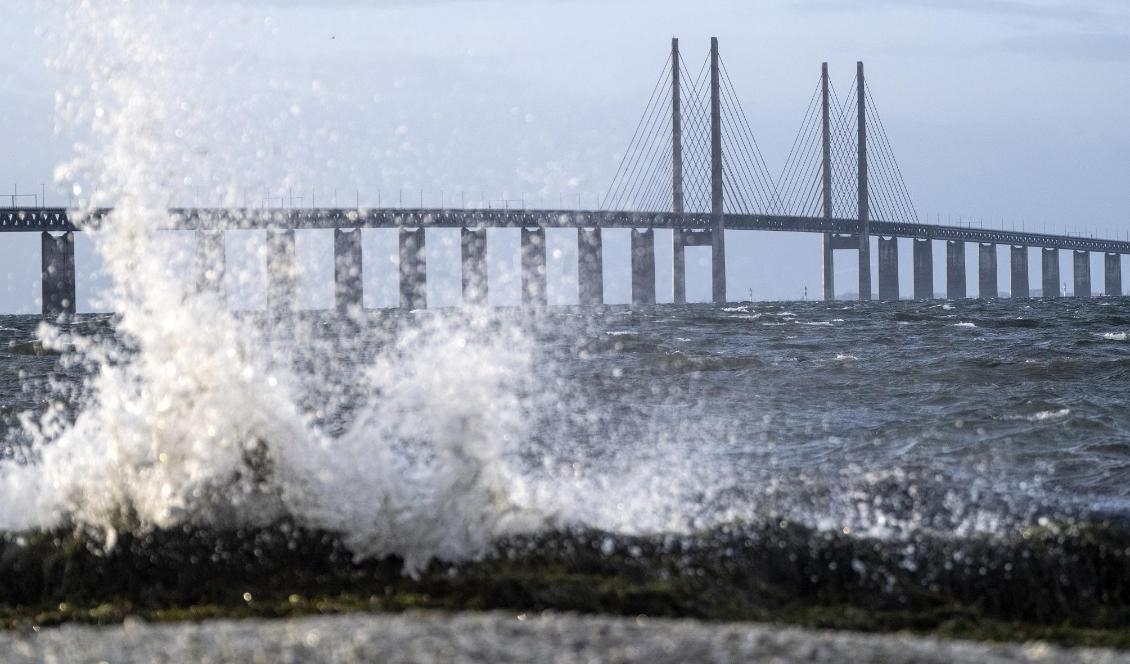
(693, 166)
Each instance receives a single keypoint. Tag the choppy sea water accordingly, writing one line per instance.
(880, 419)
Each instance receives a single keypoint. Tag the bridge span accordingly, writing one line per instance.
(60, 220)
(58, 226)
(693, 167)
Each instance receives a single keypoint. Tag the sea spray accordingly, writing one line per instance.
(191, 415)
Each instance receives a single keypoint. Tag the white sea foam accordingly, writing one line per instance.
(1042, 415)
(964, 324)
(1114, 336)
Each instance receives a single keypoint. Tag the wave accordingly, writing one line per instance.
(194, 425)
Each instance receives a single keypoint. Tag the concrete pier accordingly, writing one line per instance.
(829, 272)
(282, 293)
(1081, 273)
(533, 267)
(1049, 272)
(643, 266)
(678, 267)
(211, 261)
(923, 269)
(349, 294)
(1018, 259)
(718, 263)
(473, 254)
(1112, 275)
(955, 270)
(888, 267)
(57, 262)
(413, 269)
(987, 271)
(590, 267)
(683, 238)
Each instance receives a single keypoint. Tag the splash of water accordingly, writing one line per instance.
(195, 417)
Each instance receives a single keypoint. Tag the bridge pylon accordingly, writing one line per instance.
(829, 262)
(679, 256)
(714, 167)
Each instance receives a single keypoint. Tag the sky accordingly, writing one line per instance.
(1001, 112)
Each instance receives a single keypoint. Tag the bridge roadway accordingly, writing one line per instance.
(60, 220)
(57, 227)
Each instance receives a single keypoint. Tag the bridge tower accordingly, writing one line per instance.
(826, 183)
(864, 212)
(718, 224)
(861, 241)
(679, 257)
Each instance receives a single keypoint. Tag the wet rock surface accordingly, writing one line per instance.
(502, 637)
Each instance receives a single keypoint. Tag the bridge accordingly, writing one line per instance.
(693, 167)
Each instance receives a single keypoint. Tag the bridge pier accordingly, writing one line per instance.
(473, 254)
(281, 281)
(1081, 273)
(923, 269)
(349, 293)
(1112, 275)
(643, 266)
(888, 267)
(533, 267)
(987, 271)
(1049, 272)
(1018, 259)
(955, 270)
(57, 286)
(718, 263)
(211, 261)
(683, 238)
(678, 267)
(590, 267)
(830, 268)
(413, 269)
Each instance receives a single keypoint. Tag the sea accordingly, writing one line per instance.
(954, 418)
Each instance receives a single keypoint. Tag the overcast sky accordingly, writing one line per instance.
(1010, 110)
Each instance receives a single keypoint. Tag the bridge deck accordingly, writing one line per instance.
(59, 219)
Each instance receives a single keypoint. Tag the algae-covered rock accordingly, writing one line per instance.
(1069, 583)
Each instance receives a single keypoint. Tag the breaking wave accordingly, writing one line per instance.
(192, 415)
